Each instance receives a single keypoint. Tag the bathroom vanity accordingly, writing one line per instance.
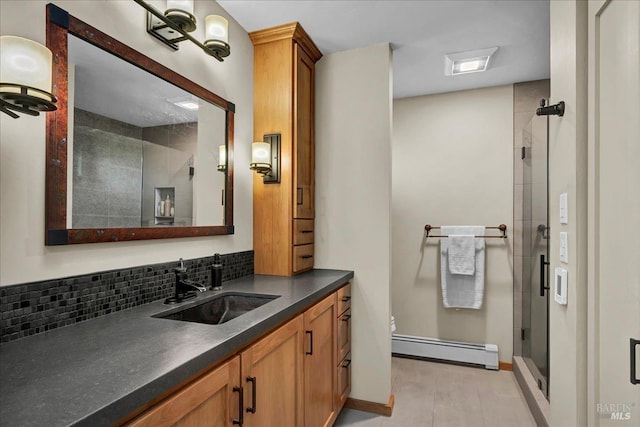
(284, 363)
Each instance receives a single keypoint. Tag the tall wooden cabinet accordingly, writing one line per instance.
(283, 103)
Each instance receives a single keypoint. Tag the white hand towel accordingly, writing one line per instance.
(458, 290)
(462, 254)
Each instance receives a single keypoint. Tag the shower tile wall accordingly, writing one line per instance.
(526, 99)
(168, 150)
(107, 172)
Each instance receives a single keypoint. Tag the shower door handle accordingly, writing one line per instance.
(543, 263)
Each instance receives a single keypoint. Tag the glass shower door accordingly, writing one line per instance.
(535, 274)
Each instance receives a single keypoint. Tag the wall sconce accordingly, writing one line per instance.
(265, 158)
(25, 77)
(222, 159)
(178, 21)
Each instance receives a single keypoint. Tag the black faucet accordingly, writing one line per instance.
(184, 288)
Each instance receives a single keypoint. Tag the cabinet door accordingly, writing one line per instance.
(304, 162)
(272, 378)
(319, 363)
(209, 401)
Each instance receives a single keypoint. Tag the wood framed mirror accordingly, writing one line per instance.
(135, 151)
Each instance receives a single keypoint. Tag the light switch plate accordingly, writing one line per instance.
(564, 210)
(564, 247)
(561, 282)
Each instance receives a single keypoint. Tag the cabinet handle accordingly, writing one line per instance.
(310, 352)
(345, 299)
(632, 344)
(306, 256)
(346, 363)
(306, 231)
(252, 408)
(240, 420)
(346, 318)
(300, 194)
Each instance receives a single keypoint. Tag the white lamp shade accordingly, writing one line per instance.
(25, 62)
(186, 5)
(217, 28)
(222, 155)
(261, 153)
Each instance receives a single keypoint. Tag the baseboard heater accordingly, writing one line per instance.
(432, 348)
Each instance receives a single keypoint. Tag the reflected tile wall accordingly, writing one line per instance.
(107, 171)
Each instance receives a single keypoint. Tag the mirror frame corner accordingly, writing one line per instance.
(59, 25)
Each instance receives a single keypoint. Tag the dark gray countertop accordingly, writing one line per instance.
(99, 371)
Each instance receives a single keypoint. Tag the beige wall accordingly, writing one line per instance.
(23, 256)
(568, 173)
(452, 164)
(353, 200)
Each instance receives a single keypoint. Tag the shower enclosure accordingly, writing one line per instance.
(535, 244)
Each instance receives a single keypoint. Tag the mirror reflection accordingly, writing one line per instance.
(144, 151)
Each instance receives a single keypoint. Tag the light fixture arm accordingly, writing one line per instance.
(185, 36)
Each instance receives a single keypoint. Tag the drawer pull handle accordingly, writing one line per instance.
(310, 352)
(346, 363)
(240, 420)
(306, 256)
(252, 408)
(345, 299)
(346, 318)
(306, 231)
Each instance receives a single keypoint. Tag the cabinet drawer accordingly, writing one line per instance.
(302, 258)
(302, 231)
(344, 380)
(344, 298)
(344, 334)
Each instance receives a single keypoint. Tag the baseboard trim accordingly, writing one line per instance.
(505, 366)
(373, 407)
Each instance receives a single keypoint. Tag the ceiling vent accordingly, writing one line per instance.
(472, 61)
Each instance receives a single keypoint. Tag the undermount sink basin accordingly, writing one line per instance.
(220, 309)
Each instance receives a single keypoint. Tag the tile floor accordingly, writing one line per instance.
(441, 395)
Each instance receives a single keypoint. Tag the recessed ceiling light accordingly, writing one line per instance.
(187, 105)
(468, 62)
(186, 102)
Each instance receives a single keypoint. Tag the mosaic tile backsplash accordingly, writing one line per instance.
(33, 308)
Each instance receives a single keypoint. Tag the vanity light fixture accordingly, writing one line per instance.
(265, 158)
(468, 62)
(25, 77)
(174, 25)
(222, 158)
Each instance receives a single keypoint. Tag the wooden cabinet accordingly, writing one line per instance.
(284, 79)
(212, 400)
(296, 376)
(343, 347)
(319, 362)
(272, 373)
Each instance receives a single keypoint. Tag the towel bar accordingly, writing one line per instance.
(501, 227)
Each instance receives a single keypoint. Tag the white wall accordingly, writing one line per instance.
(452, 164)
(23, 256)
(353, 200)
(568, 173)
